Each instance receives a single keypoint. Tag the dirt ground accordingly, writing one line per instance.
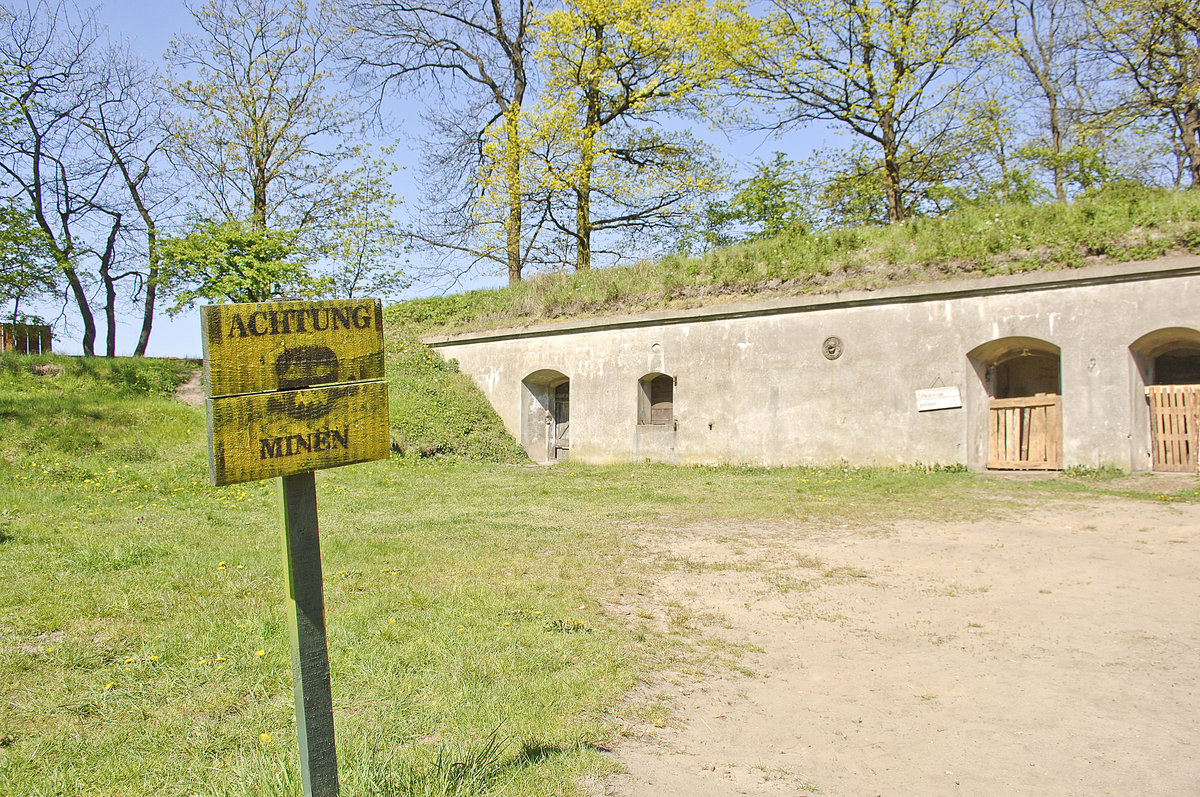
(191, 392)
(1054, 650)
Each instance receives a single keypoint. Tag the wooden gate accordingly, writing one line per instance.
(1174, 420)
(1025, 433)
(562, 420)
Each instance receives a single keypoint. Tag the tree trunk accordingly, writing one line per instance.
(110, 291)
(258, 213)
(151, 287)
(583, 203)
(1056, 146)
(512, 177)
(1189, 127)
(587, 164)
(85, 311)
(891, 169)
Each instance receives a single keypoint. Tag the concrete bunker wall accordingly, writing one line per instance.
(837, 378)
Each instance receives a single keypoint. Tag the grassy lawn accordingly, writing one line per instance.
(143, 644)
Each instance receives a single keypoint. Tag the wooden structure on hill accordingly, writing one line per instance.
(25, 338)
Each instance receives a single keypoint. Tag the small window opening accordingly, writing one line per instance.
(656, 400)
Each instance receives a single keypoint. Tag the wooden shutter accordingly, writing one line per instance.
(662, 400)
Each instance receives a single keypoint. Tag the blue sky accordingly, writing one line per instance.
(151, 25)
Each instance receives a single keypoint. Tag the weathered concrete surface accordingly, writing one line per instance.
(754, 385)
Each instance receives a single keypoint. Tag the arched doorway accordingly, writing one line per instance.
(546, 415)
(1168, 361)
(1023, 380)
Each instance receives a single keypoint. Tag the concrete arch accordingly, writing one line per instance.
(1017, 418)
(1018, 366)
(545, 415)
(1168, 356)
(656, 399)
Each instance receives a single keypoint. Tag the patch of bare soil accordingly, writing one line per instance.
(1055, 652)
(191, 392)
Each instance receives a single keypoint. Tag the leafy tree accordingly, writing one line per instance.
(364, 248)
(261, 133)
(234, 261)
(613, 68)
(474, 57)
(854, 193)
(1046, 38)
(27, 267)
(776, 198)
(1080, 165)
(892, 72)
(1155, 46)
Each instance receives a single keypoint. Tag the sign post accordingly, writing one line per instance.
(295, 387)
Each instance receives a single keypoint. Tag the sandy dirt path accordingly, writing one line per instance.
(1054, 651)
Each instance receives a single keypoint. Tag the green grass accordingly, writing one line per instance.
(143, 642)
(1123, 222)
(437, 411)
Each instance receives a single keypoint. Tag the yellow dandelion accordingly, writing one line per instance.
(153, 658)
(129, 660)
(202, 661)
(260, 653)
(264, 738)
(109, 685)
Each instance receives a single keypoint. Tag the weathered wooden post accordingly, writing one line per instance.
(295, 387)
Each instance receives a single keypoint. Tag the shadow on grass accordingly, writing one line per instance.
(464, 771)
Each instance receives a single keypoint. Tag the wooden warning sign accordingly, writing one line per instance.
(293, 387)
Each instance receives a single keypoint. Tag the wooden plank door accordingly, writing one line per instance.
(1025, 433)
(1174, 422)
(562, 420)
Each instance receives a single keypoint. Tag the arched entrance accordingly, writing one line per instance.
(1023, 380)
(546, 415)
(1168, 361)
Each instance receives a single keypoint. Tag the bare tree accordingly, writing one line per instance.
(129, 127)
(1046, 36)
(1154, 45)
(260, 130)
(48, 52)
(474, 57)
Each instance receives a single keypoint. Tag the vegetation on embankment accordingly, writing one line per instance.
(436, 410)
(1123, 222)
